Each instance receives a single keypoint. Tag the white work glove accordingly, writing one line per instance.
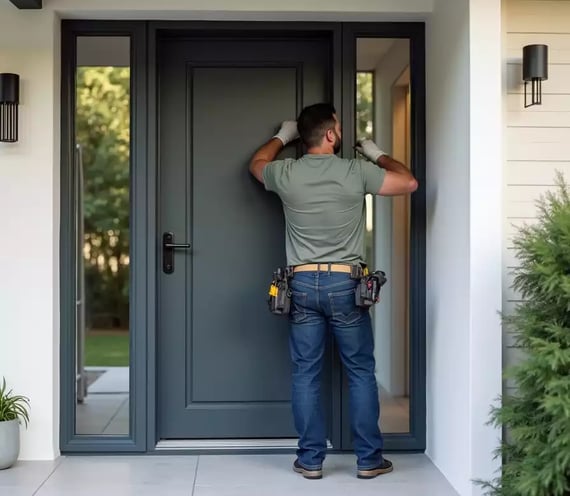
(369, 149)
(288, 132)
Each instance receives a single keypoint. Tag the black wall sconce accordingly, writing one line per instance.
(535, 70)
(9, 100)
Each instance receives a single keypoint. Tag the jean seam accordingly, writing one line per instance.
(301, 315)
(337, 284)
(369, 468)
(306, 285)
(341, 317)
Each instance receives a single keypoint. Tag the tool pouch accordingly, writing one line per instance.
(279, 293)
(367, 292)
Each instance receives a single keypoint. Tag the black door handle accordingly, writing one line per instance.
(177, 245)
(168, 247)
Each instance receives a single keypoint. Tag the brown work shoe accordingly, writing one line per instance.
(307, 473)
(385, 467)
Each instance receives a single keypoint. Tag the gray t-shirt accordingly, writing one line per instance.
(323, 202)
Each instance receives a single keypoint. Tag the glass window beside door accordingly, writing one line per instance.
(102, 193)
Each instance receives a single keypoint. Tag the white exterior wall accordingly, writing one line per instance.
(463, 233)
(29, 227)
(447, 67)
(537, 143)
(461, 296)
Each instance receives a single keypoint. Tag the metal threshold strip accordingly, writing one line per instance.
(228, 444)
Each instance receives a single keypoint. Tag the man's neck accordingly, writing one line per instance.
(320, 150)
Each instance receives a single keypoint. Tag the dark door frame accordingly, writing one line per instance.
(70, 442)
(415, 440)
(144, 202)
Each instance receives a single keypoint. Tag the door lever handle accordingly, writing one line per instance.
(177, 245)
(168, 247)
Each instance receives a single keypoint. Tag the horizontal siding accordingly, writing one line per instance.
(532, 193)
(537, 139)
(520, 210)
(539, 119)
(538, 143)
(538, 16)
(508, 278)
(512, 228)
(529, 173)
(559, 45)
(554, 103)
(510, 260)
(556, 84)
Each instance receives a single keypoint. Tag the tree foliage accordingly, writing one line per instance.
(364, 105)
(536, 419)
(103, 131)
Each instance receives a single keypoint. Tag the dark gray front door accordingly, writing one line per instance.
(224, 368)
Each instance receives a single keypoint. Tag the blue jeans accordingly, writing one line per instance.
(323, 300)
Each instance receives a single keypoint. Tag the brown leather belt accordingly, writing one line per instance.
(324, 267)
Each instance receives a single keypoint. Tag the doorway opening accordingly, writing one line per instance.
(199, 375)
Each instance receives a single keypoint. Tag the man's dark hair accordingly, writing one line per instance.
(314, 121)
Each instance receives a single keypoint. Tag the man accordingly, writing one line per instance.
(323, 202)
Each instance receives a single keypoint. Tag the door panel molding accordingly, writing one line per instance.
(207, 76)
(160, 30)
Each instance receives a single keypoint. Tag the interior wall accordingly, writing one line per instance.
(390, 367)
(401, 146)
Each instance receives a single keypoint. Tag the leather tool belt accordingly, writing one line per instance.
(366, 293)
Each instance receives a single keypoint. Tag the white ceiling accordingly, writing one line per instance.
(103, 51)
(369, 52)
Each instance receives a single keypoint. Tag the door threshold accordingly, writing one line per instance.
(228, 444)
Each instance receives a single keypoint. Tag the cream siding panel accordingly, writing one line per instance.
(538, 16)
(559, 45)
(557, 83)
(538, 143)
(539, 119)
(554, 103)
(510, 261)
(528, 173)
(537, 139)
(520, 210)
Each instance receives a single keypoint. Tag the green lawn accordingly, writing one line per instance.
(107, 349)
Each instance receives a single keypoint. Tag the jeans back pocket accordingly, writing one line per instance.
(343, 306)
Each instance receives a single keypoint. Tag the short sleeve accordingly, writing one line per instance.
(372, 177)
(269, 174)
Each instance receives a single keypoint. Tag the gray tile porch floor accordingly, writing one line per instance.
(215, 475)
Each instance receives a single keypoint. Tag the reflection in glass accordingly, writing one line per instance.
(102, 177)
(383, 115)
(364, 130)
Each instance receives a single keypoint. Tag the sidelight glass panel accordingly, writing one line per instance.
(364, 130)
(102, 208)
(383, 114)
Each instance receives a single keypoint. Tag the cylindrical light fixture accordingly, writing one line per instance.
(9, 100)
(535, 70)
